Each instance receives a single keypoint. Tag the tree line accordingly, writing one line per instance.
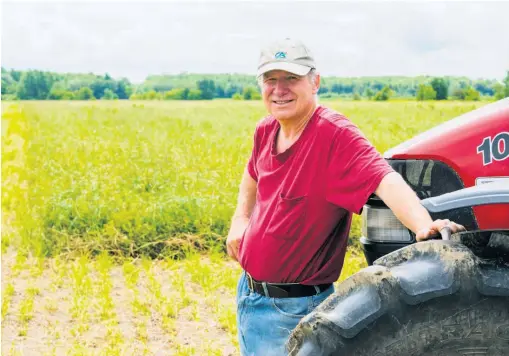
(43, 85)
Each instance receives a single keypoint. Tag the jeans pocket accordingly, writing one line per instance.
(292, 307)
(242, 289)
(241, 325)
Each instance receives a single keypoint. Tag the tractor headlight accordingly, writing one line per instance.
(381, 225)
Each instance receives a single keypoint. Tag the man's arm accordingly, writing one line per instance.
(406, 205)
(245, 204)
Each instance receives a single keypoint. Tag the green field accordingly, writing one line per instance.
(92, 192)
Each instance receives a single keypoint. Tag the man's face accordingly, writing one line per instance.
(288, 96)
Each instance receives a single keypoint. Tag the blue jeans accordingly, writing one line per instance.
(264, 324)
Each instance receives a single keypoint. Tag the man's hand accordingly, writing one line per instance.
(434, 229)
(236, 233)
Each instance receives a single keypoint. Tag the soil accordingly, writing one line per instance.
(52, 330)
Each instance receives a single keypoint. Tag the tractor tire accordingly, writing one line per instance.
(432, 298)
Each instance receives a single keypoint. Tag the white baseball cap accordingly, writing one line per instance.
(288, 55)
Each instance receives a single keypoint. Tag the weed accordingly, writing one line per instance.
(6, 299)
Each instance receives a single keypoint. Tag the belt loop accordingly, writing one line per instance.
(317, 289)
(265, 290)
(250, 282)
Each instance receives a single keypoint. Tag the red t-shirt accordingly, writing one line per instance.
(299, 227)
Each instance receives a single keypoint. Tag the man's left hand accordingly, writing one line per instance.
(435, 227)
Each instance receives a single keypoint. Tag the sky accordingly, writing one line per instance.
(348, 39)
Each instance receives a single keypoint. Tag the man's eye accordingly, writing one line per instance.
(292, 77)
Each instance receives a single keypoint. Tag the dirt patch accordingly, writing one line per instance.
(54, 330)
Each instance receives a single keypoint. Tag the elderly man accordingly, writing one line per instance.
(309, 170)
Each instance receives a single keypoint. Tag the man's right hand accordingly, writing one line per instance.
(235, 235)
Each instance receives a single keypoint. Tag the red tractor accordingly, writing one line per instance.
(448, 296)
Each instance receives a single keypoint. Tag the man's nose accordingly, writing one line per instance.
(281, 86)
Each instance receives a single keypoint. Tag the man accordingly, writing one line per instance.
(309, 170)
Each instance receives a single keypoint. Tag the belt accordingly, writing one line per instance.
(284, 290)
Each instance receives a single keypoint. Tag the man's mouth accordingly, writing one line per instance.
(281, 102)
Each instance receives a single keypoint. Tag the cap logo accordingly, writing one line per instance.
(280, 55)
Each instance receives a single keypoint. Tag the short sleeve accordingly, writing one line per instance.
(355, 169)
(251, 164)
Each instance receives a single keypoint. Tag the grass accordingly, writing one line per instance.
(106, 306)
(92, 192)
(26, 309)
(167, 309)
(151, 178)
(82, 289)
(6, 299)
(140, 309)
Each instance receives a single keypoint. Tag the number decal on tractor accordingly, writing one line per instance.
(494, 149)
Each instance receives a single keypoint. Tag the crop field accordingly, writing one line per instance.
(114, 217)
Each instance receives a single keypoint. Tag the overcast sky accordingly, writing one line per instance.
(136, 39)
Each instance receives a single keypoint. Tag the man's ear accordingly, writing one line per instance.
(316, 85)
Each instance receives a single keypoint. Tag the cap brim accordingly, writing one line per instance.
(287, 67)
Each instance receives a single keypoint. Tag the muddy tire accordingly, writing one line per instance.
(432, 298)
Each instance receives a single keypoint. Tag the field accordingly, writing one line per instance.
(114, 216)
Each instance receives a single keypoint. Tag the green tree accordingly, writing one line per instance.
(100, 85)
(34, 85)
(85, 93)
(426, 92)
(177, 94)
(232, 88)
(150, 95)
(16, 75)
(68, 95)
(124, 89)
(458, 94)
(8, 82)
(484, 88)
(499, 90)
(467, 93)
(441, 87)
(237, 96)
(109, 95)
(207, 88)
(250, 93)
(471, 94)
(369, 93)
(220, 93)
(384, 94)
(194, 94)
(174, 94)
(323, 89)
(58, 93)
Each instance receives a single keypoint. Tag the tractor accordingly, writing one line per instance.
(445, 296)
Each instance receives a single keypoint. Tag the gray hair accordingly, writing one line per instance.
(312, 75)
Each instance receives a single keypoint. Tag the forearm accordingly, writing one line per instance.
(240, 220)
(403, 202)
(246, 199)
